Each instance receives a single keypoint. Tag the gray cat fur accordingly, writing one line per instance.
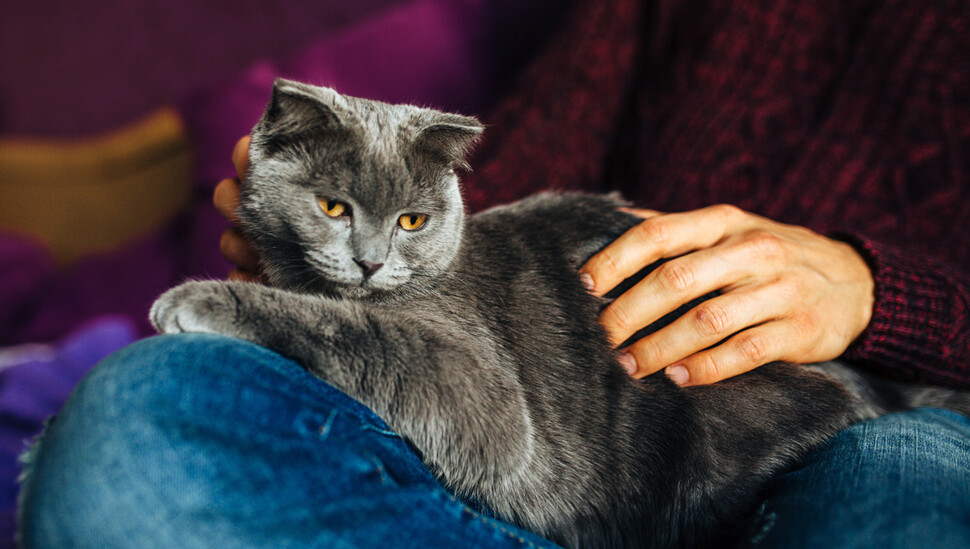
(477, 342)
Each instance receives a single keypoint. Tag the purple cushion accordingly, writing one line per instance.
(429, 52)
(91, 66)
(35, 379)
(452, 54)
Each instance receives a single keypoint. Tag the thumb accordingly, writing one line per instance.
(240, 156)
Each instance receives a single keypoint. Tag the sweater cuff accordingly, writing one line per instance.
(908, 334)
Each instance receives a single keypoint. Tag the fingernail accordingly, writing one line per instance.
(587, 281)
(677, 374)
(628, 362)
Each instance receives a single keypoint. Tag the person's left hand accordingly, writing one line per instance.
(233, 245)
(786, 293)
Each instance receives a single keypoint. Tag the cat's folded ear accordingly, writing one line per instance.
(297, 108)
(449, 137)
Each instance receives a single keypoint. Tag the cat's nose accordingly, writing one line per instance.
(369, 267)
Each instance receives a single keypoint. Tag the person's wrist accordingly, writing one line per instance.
(866, 292)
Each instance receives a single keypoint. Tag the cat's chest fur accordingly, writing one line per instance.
(514, 284)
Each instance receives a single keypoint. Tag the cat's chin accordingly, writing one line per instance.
(363, 289)
(351, 289)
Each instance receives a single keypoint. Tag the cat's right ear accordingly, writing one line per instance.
(297, 109)
(449, 137)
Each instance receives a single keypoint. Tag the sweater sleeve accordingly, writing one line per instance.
(920, 326)
(556, 129)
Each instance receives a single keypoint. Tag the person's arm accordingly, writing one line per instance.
(558, 127)
(920, 326)
(786, 293)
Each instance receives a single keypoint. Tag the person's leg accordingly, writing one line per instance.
(901, 480)
(206, 441)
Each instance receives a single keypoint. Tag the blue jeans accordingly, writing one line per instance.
(901, 480)
(204, 441)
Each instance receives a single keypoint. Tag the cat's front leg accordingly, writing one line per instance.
(205, 306)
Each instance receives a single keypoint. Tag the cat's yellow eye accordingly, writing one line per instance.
(333, 208)
(411, 222)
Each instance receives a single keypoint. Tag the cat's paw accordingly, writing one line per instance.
(208, 307)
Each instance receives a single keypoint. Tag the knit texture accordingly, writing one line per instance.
(849, 118)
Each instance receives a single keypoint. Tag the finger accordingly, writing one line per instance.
(676, 283)
(226, 199)
(240, 156)
(656, 238)
(243, 275)
(704, 326)
(641, 212)
(743, 352)
(247, 276)
(238, 251)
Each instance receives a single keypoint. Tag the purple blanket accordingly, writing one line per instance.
(446, 53)
(217, 61)
(35, 379)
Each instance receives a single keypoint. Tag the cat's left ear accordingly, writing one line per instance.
(296, 107)
(450, 137)
(298, 115)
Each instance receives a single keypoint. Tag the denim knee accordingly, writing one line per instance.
(141, 435)
(200, 440)
(98, 442)
(901, 480)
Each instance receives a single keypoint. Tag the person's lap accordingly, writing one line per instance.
(901, 480)
(202, 441)
(191, 440)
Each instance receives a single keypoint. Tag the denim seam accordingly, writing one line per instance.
(493, 524)
(769, 520)
(309, 388)
(324, 430)
(318, 387)
(381, 470)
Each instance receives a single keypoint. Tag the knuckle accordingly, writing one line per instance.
(789, 289)
(675, 276)
(652, 231)
(711, 319)
(727, 212)
(754, 348)
(804, 324)
(707, 370)
(765, 244)
(802, 233)
(616, 319)
(607, 264)
(650, 355)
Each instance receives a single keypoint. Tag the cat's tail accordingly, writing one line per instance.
(882, 396)
(915, 396)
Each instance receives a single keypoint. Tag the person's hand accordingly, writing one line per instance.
(786, 293)
(234, 247)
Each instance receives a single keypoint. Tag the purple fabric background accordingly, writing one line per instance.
(450, 53)
(87, 68)
(75, 68)
(35, 382)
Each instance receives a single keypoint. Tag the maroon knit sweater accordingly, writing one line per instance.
(850, 118)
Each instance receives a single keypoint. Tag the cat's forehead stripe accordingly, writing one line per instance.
(371, 163)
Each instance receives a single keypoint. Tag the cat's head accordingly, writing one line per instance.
(351, 195)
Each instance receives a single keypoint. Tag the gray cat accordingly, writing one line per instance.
(475, 340)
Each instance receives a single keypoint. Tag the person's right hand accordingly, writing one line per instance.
(234, 247)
